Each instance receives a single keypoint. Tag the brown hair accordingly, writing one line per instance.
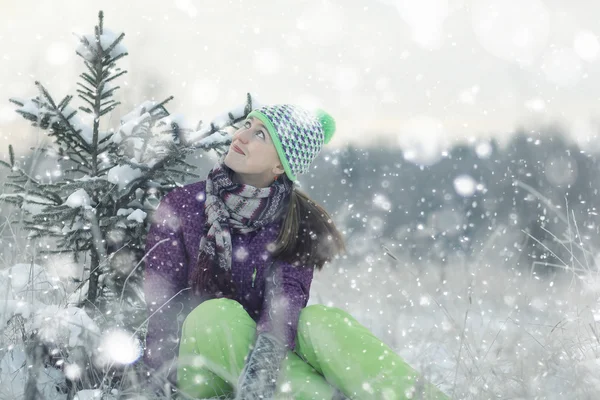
(308, 236)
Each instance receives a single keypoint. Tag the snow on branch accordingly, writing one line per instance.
(203, 139)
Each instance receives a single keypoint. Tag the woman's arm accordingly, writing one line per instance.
(286, 294)
(287, 289)
(165, 283)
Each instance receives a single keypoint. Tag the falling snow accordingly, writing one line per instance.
(463, 177)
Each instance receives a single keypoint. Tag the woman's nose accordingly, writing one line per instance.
(242, 135)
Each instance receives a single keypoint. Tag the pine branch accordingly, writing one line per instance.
(88, 45)
(73, 145)
(66, 123)
(67, 251)
(107, 137)
(11, 153)
(114, 44)
(74, 171)
(25, 175)
(108, 92)
(86, 77)
(87, 95)
(161, 105)
(115, 76)
(108, 102)
(17, 201)
(71, 115)
(64, 102)
(85, 87)
(102, 171)
(113, 60)
(101, 21)
(92, 71)
(85, 99)
(109, 109)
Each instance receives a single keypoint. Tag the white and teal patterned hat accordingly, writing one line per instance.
(298, 134)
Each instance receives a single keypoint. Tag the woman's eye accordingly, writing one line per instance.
(247, 123)
(262, 133)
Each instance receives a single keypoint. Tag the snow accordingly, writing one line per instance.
(221, 121)
(137, 111)
(423, 139)
(69, 326)
(87, 178)
(420, 313)
(122, 175)
(138, 216)
(179, 119)
(106, 40)
(426, 20)
(465, 185)
(79, 198)
(10, 308)
(561, 171)
(205, 92)
(127, 129)
(562, 67)
(517, 37)
(89, 394)
(382, 201)
(322, 24)
(58, 53)
(118, 346)
(535, 104)
(217, 138)
(483, 150)
(267, 61)
(30, 107)
(26, 286)
(31, 203)
(124, 211)
(107, 88)
(14, 376)
(586, 45)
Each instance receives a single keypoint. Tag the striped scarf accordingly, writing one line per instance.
(232, 208)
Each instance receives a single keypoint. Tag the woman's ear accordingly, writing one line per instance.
(278, 169)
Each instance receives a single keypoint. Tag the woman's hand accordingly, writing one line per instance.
(258, 379)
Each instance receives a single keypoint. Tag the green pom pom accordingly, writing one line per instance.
(328, 124)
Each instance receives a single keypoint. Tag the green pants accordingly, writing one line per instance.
(332, 350)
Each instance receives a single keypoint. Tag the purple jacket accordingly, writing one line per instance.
(172, 248)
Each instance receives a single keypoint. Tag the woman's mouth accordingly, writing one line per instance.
(237, 149)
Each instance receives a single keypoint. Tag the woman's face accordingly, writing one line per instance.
(259, 163)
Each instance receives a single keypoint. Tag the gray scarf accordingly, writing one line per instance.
(233, 208)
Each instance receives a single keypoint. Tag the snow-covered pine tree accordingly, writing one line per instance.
(111, 180)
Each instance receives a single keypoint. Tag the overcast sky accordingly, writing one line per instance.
(419, 73)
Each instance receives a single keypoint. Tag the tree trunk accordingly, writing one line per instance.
(94, 278)
(34, 356)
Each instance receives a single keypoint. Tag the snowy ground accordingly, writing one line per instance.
(478, 331)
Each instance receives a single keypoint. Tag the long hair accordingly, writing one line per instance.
(308, 236)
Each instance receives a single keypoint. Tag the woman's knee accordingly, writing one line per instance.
(214, 310)
(318, 315)
(315, 312)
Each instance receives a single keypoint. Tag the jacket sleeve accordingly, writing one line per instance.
(165, 284)
(287, 290)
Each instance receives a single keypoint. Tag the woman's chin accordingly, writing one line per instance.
(232, 161)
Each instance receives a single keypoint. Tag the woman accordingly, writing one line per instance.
(229, 265)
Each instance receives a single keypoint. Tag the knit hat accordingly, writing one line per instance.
(298, 134)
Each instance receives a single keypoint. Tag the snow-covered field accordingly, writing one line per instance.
(478, 331)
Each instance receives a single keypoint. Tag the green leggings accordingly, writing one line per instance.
(332, 350)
